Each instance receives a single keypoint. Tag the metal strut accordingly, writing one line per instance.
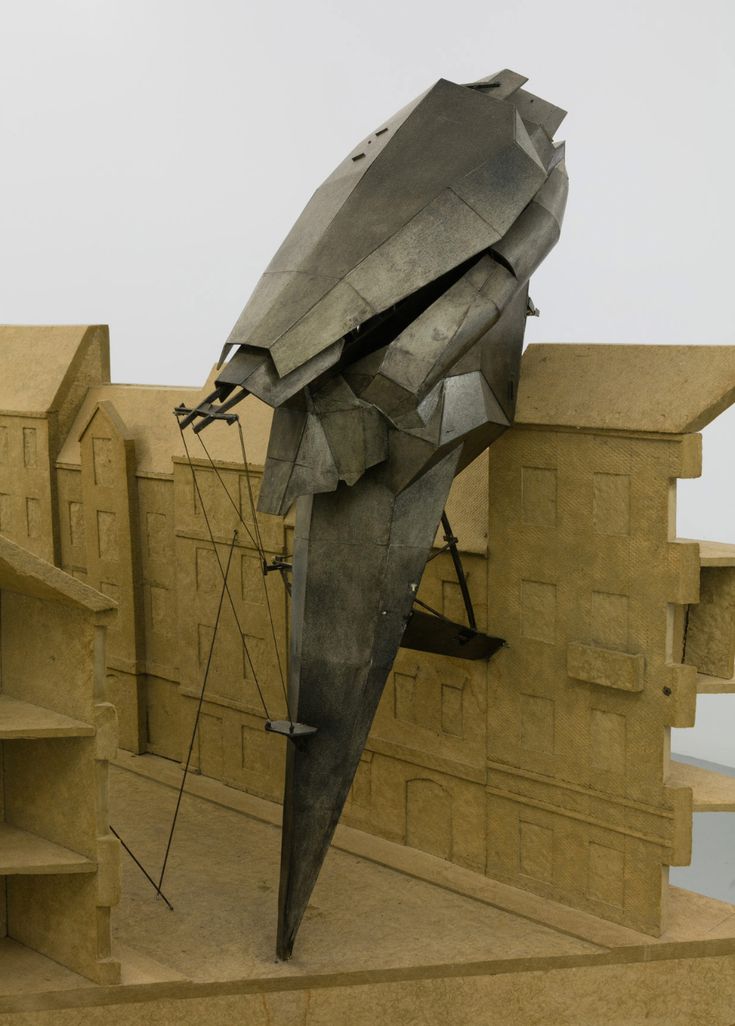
(434, 632)
(451, 541)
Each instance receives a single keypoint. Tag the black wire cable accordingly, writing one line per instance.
(221, 569)
(258, 543)
(253, 513)
(142, 868)
(256, 540)
(198, 713)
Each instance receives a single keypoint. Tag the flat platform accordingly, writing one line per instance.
(23, 720)
(390, 934)
(711, 791)
(30, 855)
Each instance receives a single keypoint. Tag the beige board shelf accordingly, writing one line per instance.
(25, 854)
(711, 791)
(22, 720)
(715, 553)
(708, 685)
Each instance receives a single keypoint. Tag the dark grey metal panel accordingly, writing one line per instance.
(356, 432)
(499, 188)
(396, 225)
(441, 236)
(287, 430)
(242, 365)
(417, 163)
(340, 672)
(388, 395)
(280, 299)
(408, 456)
(308, 232)
(295, 293)
(542, 143)
(500, 353)
(341, 310)
(531, 238)
(552, 196)
(274, 487)
(412, 356)
(266, 384)
(540, 112)
(468, 404)
(359, 374)
(314, 469)
(349, 229)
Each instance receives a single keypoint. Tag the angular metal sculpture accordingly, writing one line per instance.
(387, 333)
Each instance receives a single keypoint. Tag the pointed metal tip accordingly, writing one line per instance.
(284, 948)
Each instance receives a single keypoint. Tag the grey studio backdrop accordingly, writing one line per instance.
(156, 153)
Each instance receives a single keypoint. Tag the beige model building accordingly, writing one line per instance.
(59, 861)
(543, 776)
(37, 414)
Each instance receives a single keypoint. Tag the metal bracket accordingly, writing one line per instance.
(297, 733)
(206, 410)
(428, 632)
(277, 564)
(281, 564)
(436, 632)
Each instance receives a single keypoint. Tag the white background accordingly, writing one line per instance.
(155, 152)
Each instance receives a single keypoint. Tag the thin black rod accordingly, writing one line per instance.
(686, 633)
(459, 570)
(254, 515)
(222, 573)
(256, 540)
(439, 552)
(219, 412)
(437, 614)
(198, 712)
(142, 868)
(251, 497)
(258, 543)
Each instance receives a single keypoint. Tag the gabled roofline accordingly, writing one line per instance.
(107, 407)
(23, 572)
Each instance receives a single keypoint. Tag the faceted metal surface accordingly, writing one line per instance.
(409, 204)
(358, 559)
(387, 333)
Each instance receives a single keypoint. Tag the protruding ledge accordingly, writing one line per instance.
(711, 791)
(709, 685)
(606, 667)
(716, 553)
(22, 720)
(25, 854)
(626, 387)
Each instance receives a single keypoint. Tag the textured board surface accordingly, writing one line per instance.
(22, 719)
(25, 854)
(626, 388)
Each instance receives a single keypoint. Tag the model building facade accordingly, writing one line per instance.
(547, 767)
